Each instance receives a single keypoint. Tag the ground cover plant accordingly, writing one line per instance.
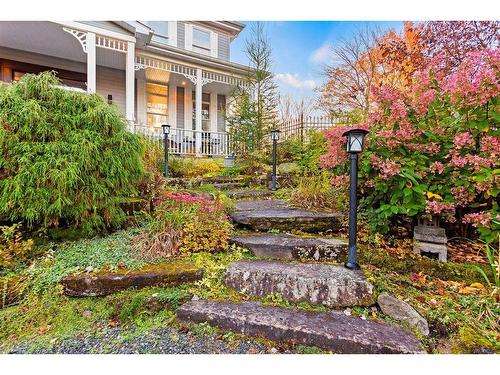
(66, 158)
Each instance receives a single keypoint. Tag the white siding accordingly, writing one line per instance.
(112, 81)
(181, 32)
(223, 46)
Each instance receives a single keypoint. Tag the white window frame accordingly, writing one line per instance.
(189, 30)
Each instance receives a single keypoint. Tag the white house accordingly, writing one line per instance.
(156, 72)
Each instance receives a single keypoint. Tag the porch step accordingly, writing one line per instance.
(264, 215)
(330, 331)
(191, 182)
(320, 284)
(287, 246)
(249, 194)
(228, 185)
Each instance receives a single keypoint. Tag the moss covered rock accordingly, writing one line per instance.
(104, 283)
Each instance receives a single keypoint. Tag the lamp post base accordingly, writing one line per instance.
(352, 266)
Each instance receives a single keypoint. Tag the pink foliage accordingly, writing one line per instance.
(478, 219)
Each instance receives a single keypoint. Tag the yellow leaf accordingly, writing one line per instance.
(467, 290)
(431, 195)
(477, 285)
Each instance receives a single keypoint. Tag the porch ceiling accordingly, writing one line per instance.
(174, 79)
(49, 38)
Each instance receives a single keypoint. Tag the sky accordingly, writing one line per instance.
(301, 49)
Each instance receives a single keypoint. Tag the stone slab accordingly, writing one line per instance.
(249, 194)
(264, 215)
(228, 185)
(321, 284)
(101, 284)
(287, 246)
(330, 331)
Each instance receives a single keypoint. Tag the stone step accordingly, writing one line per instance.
(228, 185)
(330, 331)
(104, 283)
(321, 284)
(249, 194)
(264, 215)
(287, 246)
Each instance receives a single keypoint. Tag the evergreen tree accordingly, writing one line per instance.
(255, 108)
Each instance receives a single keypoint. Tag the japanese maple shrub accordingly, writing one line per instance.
(433, 148)
(65, 157)
(184, 223)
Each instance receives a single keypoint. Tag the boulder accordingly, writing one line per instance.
(104, 283)
(322, 284)
(400, 310)
(330, 331)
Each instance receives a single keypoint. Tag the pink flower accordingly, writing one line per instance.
(462, 140)
(437, 167)
(478, 219)
(398, 110)
(462, 195)
(341, 180)
(435, 207)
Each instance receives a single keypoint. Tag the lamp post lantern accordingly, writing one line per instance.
(275, 136)
(355, 140)
(166, 132)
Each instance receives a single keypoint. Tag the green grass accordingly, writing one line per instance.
(74, 256)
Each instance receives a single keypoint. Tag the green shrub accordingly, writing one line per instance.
(194, 167)
(65, 157)
(317, 192)
(234, 171)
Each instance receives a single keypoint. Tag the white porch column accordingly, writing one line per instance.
(213, 111)
(91, 62)
(130, 82)
(198, 116)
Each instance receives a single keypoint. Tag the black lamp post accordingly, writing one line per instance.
(275, 136)
(166, 132)
(355, 139)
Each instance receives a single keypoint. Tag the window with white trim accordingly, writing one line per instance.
(157, 104)
(159, 27)
(201, 41)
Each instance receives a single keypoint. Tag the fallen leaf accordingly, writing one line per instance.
(477, 285)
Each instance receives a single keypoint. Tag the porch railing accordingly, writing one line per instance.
(190, 142)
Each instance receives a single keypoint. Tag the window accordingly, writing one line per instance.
(18, 74)
(157, 104)
(205, 111)
(159, 27)
(201, 41)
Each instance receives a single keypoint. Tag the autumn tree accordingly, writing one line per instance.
(290, 108)
(453, 40)
(351, 75)
(400, 56)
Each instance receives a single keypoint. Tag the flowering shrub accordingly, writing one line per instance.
(433, 149)
(185, 223)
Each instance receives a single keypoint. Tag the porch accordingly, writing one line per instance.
(149, 87)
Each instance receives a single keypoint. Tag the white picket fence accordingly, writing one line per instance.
(190, 142)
